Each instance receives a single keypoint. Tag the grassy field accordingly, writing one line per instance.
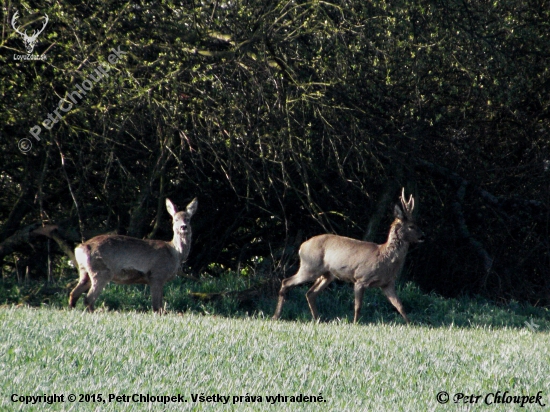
(383, 365)
(211, 352)
(335, 303)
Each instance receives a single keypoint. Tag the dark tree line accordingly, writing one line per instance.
(287, 119)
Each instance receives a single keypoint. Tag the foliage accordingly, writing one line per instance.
(288, 119)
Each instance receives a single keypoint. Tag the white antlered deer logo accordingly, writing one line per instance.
(30, 41)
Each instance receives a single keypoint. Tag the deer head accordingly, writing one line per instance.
(407, 225)
(30, 41)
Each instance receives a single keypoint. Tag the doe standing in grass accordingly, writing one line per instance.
(128, 260)
(327, 257)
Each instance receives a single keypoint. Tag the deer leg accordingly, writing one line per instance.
(99, 281)
(358, 291)
(302, 276)
(83, 285)
(311, 295)
(389, 291)
(156, 297)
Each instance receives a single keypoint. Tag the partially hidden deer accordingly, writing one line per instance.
(327, 257)
(128, 260)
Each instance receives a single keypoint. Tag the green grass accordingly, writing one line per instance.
(379, 366)
(335, 303)
(468, 345)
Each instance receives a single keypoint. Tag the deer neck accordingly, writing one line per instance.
(181, 244)
(395, 249)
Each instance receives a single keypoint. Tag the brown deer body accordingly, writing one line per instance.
(128, 260)
(324, 258)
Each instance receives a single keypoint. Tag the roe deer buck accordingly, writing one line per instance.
(128, 260)
(327, 257)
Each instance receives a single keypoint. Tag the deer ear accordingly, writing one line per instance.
(398, 213)
(192, 207)
(172, 209)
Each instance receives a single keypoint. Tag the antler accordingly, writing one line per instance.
(408, 206)
(28, 40)
(35, 34)
(13, 21)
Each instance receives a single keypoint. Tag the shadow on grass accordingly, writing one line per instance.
(335, 304)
